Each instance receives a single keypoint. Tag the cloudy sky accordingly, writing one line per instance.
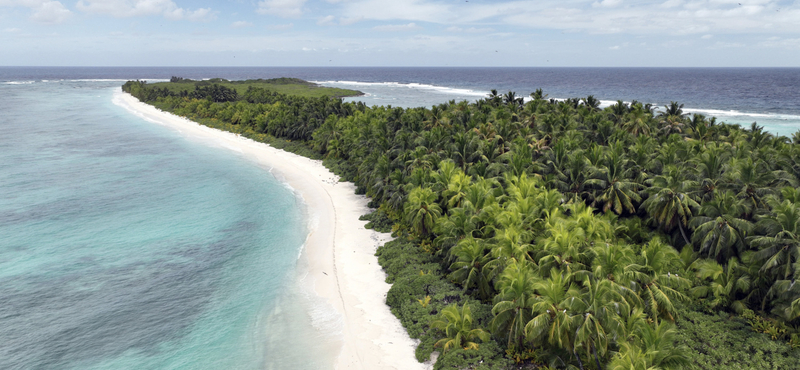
(400, 33)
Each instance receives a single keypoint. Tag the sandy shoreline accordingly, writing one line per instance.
(339, 251)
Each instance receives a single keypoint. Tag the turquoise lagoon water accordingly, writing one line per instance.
(123, 245)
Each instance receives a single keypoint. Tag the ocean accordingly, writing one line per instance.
(768, 96)
(125, 245)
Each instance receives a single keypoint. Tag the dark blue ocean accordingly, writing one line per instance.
(768, 96)
(125, 245)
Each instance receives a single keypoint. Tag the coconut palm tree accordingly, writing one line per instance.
(616, 189)
(658, 283)
(598, 308)
(421, 211)
(565, 246)
(637, 121)
(754, 181)
(470, 268)
(516, 296)
(653, 349)
(591, 103)
(617, 111)
(670, 204)
(710, 166)
(779, 245)
(673, 109)
(616, 263)
(456, 323)
(719, 232)
(724, 283)
(510, 240)
(552, 323)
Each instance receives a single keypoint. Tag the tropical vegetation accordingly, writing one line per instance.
(543, 233)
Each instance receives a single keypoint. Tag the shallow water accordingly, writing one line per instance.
(127, 246)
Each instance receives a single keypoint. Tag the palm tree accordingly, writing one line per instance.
(637, 122)
(466, 149)
(457, 326)
(598, 311)
(720, 233)
(591, 103)
(670, 203)
(672, 125)
(711, 165)
(658, 281)
(672, 118)
(724, 283)
(754, 181)
(779, 246)
(673, 109)
(617, 111)
(654, 349)
(613, 180)
(470, 268)
(452, 228)
(512, 243)
(552, 323)
(511, 98)
(516, 296)
(421, 211)
(615, 263)
(564, 247)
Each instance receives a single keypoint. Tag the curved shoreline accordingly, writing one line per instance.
(372, 338)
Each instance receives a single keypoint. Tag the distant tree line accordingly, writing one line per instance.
(212, 91)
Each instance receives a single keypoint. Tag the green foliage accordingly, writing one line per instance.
(557, 222)
(487, 357)
(775, 329)
(378, 221)
(178, 86)
(457, 325)
(724, 341)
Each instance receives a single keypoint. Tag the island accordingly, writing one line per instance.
(533, 233)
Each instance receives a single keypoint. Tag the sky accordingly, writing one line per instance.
(539, 33)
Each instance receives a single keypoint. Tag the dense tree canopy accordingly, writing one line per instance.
(578, 234)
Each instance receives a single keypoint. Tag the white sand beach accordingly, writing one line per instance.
(339, 251)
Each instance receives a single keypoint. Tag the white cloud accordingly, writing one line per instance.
(396, 27)
(671, 4)
(349, 21)
(241, 24)
(607, 3)
(43, 11)
(50, 12)
(12, 30)
(777, 42)
(469, 30)
(706, 37)
(135, 8)
(202, 14)
(281, 8)
(326, 21)
(615, 47)
(331, 21)
(654, 17)
(721, 45)
(280, 26)
(412, 10)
